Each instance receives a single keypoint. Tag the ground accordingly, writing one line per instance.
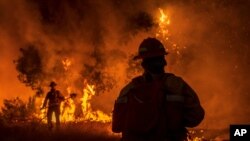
(85, 131)
(88, 131)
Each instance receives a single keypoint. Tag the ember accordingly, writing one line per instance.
(164, 23)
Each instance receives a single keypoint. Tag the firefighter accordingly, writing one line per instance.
(55, 98)
(156, 106)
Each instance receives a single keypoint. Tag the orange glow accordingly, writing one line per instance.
(164, 34)
(164, 18)
(68, 106)
(66, 63)
(164, 22)
(192, 137)
(67, 110)
(89, 114)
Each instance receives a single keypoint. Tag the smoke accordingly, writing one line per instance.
(216, 56)
(92, 35)
(99, 38)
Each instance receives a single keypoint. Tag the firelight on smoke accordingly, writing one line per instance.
(68, 107)
(66, 63)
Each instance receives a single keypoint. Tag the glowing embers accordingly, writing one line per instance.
(162, 32)
(163, 23)
(195, 135)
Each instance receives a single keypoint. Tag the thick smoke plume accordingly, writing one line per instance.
(99, 38)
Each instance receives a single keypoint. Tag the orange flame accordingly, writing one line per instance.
(163, 32)
(164, 22)
(68, 106)
(89, 114)
(66, 63)
(192, 137)
(67, 110)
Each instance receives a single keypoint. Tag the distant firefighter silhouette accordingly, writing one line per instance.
(55, 98)
(156, 106)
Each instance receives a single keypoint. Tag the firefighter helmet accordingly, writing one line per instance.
(150, 47)
(52, 83)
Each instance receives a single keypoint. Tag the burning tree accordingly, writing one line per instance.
(30, 68)
(88, 81)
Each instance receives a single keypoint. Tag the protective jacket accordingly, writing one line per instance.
(160, 109)
(54, 97)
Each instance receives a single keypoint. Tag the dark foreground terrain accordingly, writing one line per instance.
(68, 132)
(84, 131)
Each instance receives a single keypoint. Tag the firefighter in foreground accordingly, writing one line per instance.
(156, 106)
(55, 98)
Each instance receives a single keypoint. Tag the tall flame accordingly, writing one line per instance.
(68, 106)
(68, 110)
(164, 23)
(163, 32)
(89, 114)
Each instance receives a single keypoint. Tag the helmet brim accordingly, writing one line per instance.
(52, 84)
(137, 57)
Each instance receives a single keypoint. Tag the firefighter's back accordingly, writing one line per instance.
(155, 109)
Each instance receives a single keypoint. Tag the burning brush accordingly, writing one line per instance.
(66, 103)
(71, 96)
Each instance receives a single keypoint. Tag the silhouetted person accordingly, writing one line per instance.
(155, 106)
(55, 98)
